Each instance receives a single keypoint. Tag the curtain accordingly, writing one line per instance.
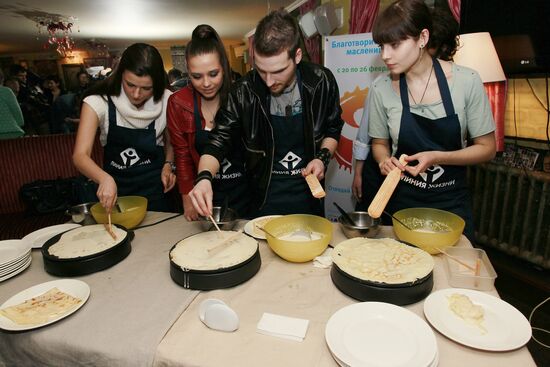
(363, 14)
(312, 44)
(454, 5)
(496, 91)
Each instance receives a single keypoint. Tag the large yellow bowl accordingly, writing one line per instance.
(298, 251)
(429, 241)
(132, 211)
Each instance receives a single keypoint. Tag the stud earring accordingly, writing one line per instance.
(422, 45)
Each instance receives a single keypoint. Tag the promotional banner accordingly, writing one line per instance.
(355, 62)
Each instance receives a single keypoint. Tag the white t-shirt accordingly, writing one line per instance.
(128, 115)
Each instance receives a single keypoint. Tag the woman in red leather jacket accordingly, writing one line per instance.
(191, 113)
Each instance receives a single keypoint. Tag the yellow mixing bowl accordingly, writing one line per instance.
(298, 250)
(429, 241)
(132, 211)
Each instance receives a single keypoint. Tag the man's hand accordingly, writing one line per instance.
(201, 197)
(315, 167)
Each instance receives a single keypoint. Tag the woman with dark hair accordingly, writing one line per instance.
(129, 107)
(428, 109)
(191, 113)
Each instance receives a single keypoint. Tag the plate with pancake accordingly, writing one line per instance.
(43, 304)
(252, 227)
(477, 319)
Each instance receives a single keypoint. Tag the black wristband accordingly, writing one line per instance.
(324, 156)
(203, 175)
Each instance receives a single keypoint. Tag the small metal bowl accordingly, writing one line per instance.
(365, 225)
(81, 214)
(226, 223)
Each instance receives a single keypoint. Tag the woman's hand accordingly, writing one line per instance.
(107, 193)
(201, 197)
(425, 161)
(167, 177)
(388, 164)
(189, 211)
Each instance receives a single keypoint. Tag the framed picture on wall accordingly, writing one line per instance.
(69, 75)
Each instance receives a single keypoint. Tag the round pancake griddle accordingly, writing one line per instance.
(86, 264)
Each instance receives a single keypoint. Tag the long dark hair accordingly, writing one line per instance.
(205, 40)
(141, 59)
(444, 37)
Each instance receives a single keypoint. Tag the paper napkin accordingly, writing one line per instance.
(282, 326)
(323, 261)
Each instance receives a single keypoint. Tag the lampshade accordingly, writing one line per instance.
(477, 51)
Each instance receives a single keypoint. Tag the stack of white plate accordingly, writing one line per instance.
(15, 256)
(380, 334)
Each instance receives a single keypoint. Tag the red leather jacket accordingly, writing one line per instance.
(181, 125)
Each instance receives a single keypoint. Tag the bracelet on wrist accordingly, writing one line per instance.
(203, 175)
(324, 156)
(172, 165)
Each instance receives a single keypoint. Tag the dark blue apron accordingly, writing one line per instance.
(230, 182)
(133, 158)
(441, 187)
(288, 192)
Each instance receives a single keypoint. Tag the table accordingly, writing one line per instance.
(303, 291)
(131, 307)
(280, 287)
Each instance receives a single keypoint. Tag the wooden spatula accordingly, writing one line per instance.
(109, 227)
(385, 191)
(315, 186)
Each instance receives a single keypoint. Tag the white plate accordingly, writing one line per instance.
(14, 273)
(14, 266)
(74, 287)
(39, 237)
(250, 229)
(506, 327)
(16, 262)
(13, 250)
(380, 334)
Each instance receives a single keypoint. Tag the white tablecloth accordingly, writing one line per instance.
(131, 306)
(296, 290)
(134, 314)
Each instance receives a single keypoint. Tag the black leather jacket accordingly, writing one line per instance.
(246, 117)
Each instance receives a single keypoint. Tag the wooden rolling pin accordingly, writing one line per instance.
(385, 191)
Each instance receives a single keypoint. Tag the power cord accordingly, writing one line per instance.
(536, 328)
(160, 221)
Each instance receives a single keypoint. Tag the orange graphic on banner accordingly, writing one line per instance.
(350, 103)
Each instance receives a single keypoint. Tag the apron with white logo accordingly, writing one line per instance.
(440, 186)
(133, 158)
(288, 192)
(230, 182)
